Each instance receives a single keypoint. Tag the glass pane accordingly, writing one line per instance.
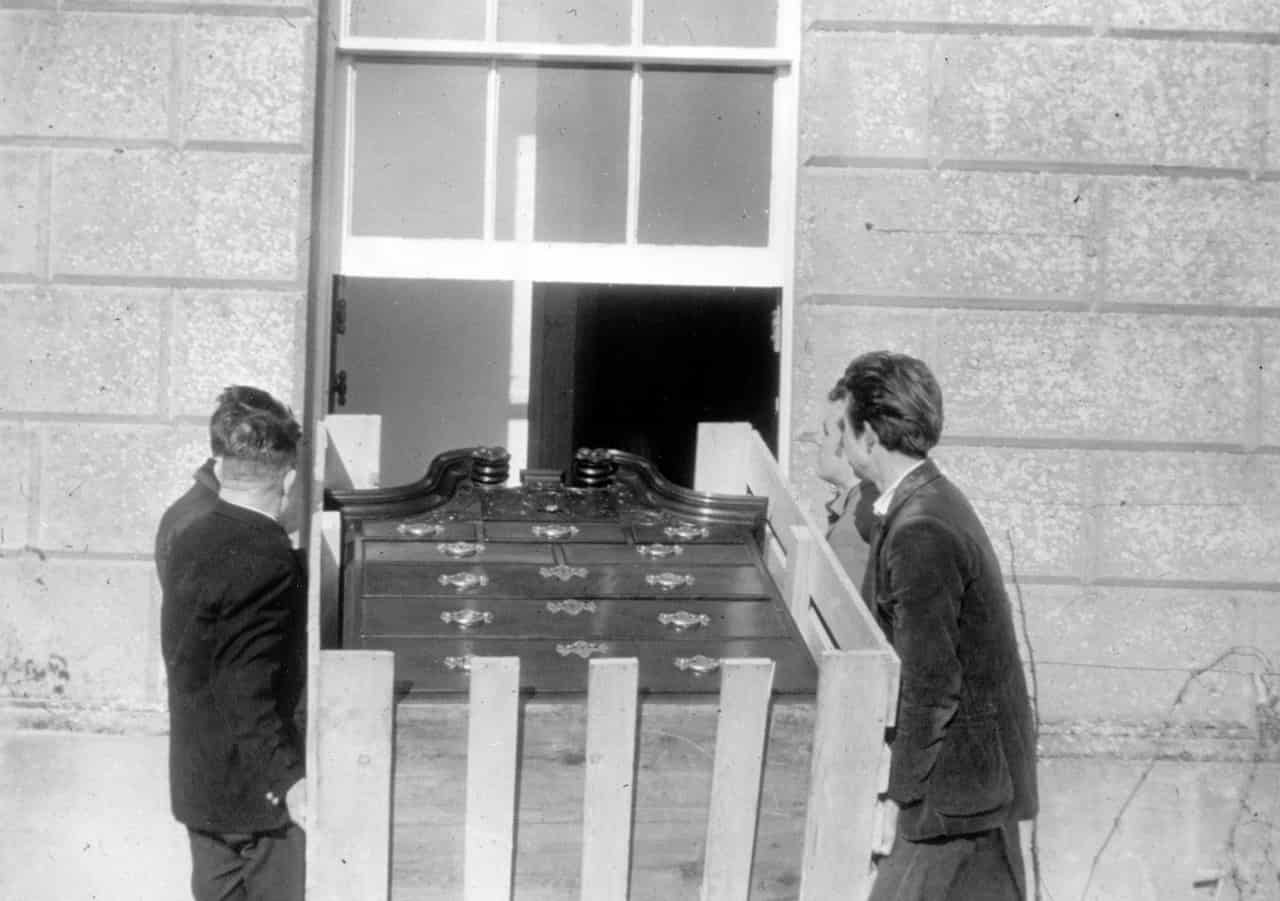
(455, 19)
(419, 150)
(705, 157)
(575, 120)
(565, 21)
(737, 23)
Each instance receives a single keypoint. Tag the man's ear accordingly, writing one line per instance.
(869, 436)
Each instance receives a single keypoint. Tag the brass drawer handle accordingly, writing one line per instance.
(686, 531)
(465, 619)
(583, 649)
(460, 548)
(698, 664)
(659, 551)
(563, 572)
(571, 606)
(669, 580)
(420, 529)
(683, 619)
(553, 530)
(463, 581)
(462, 663)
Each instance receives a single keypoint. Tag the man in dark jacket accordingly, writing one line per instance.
(233, 403)
(962, 768)
(233, 636)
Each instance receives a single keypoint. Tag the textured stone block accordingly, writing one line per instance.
(96, 615)
(965, 12)
(81, 350)
(1269, 385)
(865, 95)
(84, 75)
(951, 233)
(192, 215)
(1196, 15)
(22, 222)
(836, 12)
(1124, 654)
(1206, 517)
(246, 79)
(1171, 103)
(227, 338)
(1031, 502)
(1193, 241)
(16, 486)
(103, 488)
(1272, 125)
(1081, 376)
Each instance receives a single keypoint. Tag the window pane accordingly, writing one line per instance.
(705, 157)
(419, 150)
(577, 117)
(565, 21)
(456, 19)
(740, 23)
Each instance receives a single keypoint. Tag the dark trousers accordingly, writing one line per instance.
(262, 866)
(986, 866)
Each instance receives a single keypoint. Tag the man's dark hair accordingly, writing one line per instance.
(234, 404)
(898, 396)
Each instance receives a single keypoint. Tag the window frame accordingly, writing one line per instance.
(335, 251)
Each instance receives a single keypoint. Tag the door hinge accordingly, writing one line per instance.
(338, 389)
(340, 315)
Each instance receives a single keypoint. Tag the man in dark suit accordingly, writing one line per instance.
(233, 636)
(962, 768)
(233, 403)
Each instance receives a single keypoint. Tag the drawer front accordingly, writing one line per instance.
(688, 533)
(499, 580)
(416, 530)
(456, 553)
(439, 665)
(569, 618)
(664, 555)
(565, 532)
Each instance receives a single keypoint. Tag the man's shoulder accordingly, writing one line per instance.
(225, 531)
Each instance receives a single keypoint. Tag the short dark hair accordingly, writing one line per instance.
(256, 435)
(898, 396)
(234, 404)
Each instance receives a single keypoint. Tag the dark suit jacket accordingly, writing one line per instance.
(233, 634)
(963, 750)
(199, 500)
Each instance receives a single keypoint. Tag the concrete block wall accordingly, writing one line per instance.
(1071, 210)
(155, 179)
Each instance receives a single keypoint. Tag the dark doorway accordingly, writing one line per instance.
(637, 368)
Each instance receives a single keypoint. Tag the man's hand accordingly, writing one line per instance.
(886, 827)
(295, 802)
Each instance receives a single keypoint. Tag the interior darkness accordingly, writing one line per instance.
(651, 363)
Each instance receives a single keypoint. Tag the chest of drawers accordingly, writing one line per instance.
(606, 560)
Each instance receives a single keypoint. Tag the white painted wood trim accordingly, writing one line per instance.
(420, 48)
(640, 264)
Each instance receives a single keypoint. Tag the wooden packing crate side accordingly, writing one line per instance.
(610, 778)
(735, 783)
(674, 779)
(349, 824)
(492, 745)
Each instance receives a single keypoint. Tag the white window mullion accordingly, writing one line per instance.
(634, 136)
(492, 99)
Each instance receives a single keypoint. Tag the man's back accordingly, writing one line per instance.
(232, 632)
(198, 500)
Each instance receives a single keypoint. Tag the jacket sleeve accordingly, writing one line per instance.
(252, 649)
(925, 586)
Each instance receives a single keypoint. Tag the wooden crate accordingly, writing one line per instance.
(610, 797)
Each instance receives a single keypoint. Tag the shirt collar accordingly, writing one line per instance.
(881, 506)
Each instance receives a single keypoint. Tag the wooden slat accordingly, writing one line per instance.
(745, 688)
(327, 626)
(720, 465)
(355, 446)
(610, 778)
(848, 742)
(349, 836)
(492, 741)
